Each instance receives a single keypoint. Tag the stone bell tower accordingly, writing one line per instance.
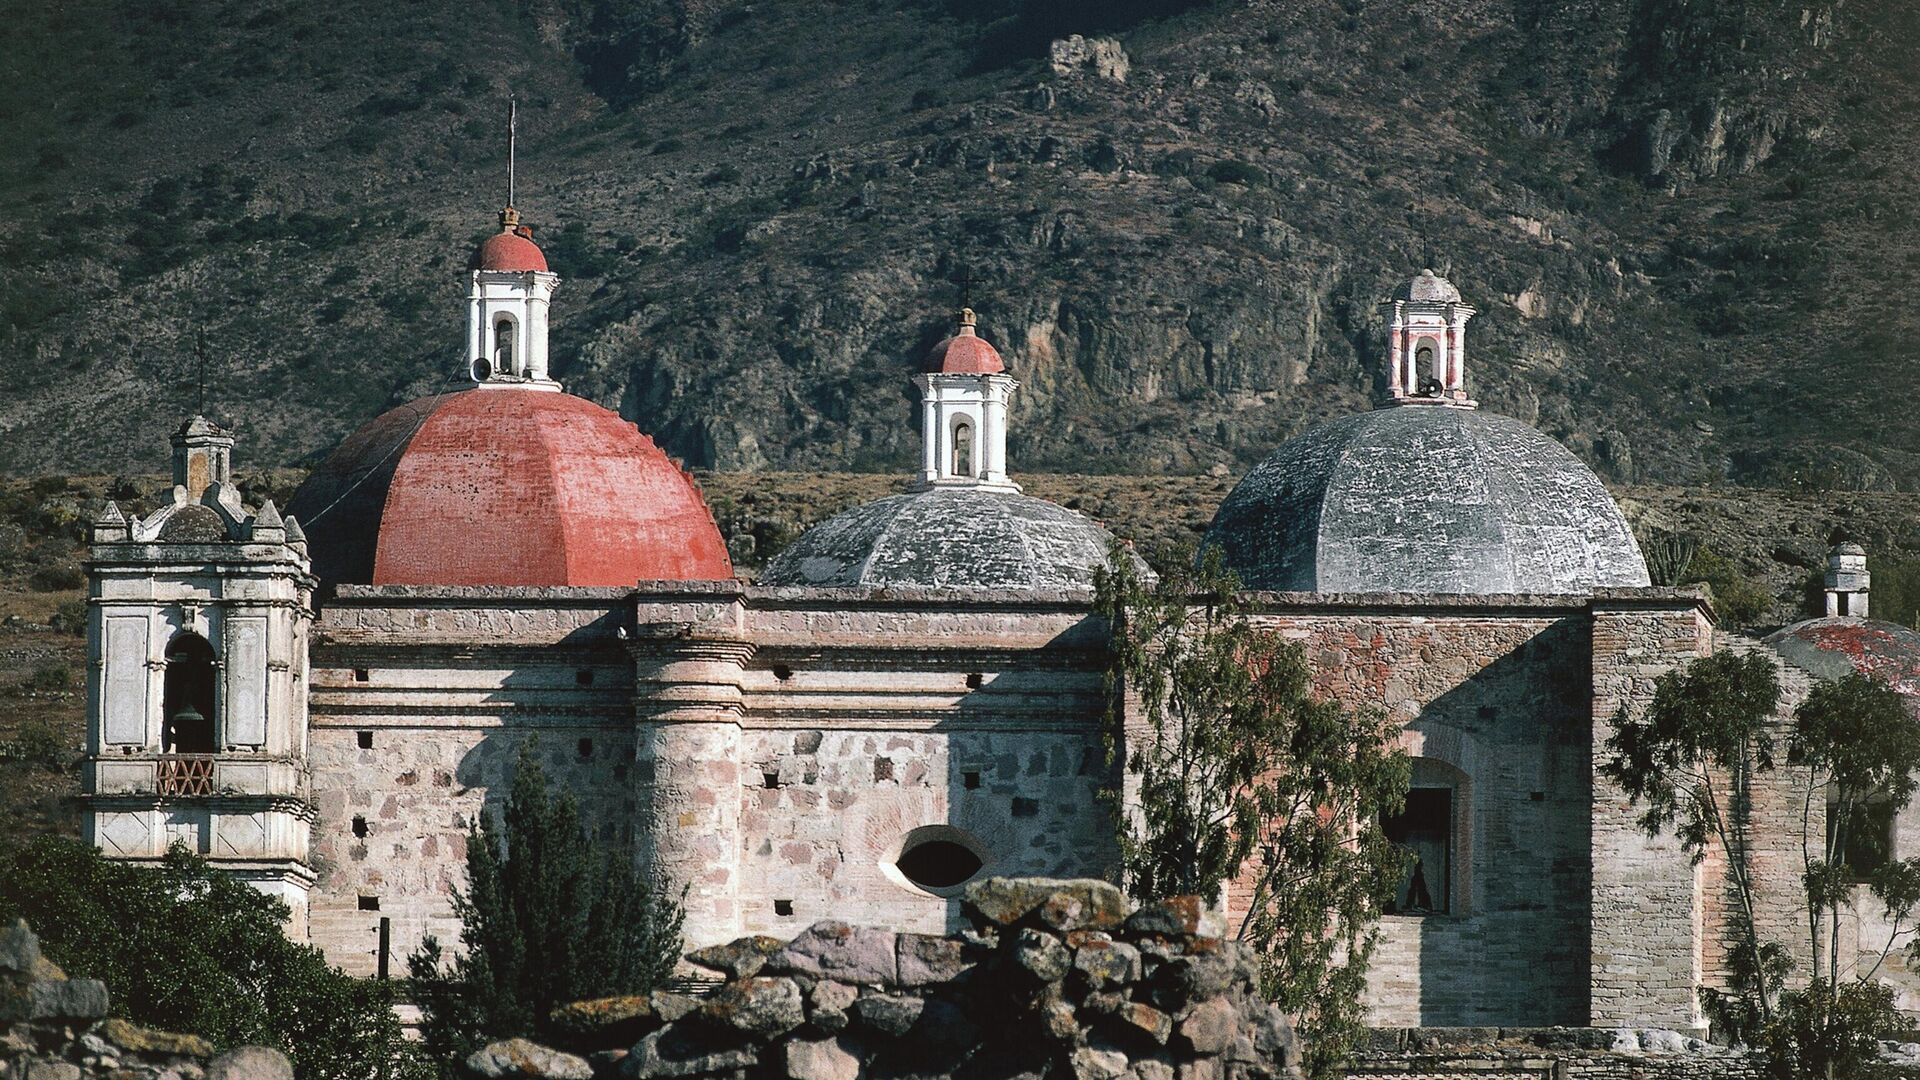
(1427, 343)
(197, 628)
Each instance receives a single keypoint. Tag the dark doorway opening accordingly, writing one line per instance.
(1425, 828)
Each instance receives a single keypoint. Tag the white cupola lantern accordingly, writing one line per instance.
(1849, 584)
(1427, 343)
(507, 309)
(964, 391)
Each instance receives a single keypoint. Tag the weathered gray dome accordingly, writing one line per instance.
(1429, 287)
(1832, 647)
(966, 538)
(1425, 499)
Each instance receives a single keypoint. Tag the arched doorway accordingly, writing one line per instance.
(187, 719)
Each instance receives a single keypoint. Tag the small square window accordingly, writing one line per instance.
(360, 674)
(364, 738)
(584, 748)
(975, 680)
(971, 779)
(369, 903)
(782, 672)
(359, 826)
(770, 780)
(783, 908)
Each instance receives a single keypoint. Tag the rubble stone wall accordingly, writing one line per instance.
(1052, 978)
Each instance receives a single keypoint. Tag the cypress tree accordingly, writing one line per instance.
(547, 917)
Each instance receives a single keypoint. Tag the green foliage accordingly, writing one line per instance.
(1669, 555)
(185, 947)
(1711, 716)
(1738, 600)
(1691, 757)
(546, 918)
(37, 745)
(1242, 772)
(1830, 1030)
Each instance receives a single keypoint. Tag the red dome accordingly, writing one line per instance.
(965, 353)
(505, 487)
(510, 249)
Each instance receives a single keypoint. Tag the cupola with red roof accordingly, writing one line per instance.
(512, 482)
(964, 352)
(511, 288)
(964, 390)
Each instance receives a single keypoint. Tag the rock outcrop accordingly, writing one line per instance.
(56, 1028)
(1052, 978)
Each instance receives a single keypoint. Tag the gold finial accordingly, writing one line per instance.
(967, 320)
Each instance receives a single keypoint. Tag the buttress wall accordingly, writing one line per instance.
(1491, 698)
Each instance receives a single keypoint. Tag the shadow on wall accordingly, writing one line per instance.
(1502, 797)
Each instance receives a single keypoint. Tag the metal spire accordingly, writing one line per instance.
(513, 124)
(200, 356)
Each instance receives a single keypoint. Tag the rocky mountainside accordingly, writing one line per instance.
(1687, 223)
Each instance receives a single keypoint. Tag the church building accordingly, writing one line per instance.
(321, 699)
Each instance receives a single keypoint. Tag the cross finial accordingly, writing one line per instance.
(965, 280)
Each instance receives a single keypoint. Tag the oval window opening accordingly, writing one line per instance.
(938, 864)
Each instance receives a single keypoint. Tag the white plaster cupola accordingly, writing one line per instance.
(964, 392)
(1848, 583)
(1427, 343)
(507, 309)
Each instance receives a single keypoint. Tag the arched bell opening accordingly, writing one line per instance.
(188, 700)
(963, 449)
(1427, 377)
(503, 337)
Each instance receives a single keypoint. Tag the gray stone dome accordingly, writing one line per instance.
(964, 538)
(1428, 287)
(1425, 499)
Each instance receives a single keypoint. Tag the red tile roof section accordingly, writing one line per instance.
(510, 249)
(965, 353)
(511, 487)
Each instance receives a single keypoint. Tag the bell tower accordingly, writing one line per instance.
(197, 625)
(964, 392)
(510, 291)
(1427, 344)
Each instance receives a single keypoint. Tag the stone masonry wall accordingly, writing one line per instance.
(420, 706)
(1494, 704)
(825, 837)
(1647, 914)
